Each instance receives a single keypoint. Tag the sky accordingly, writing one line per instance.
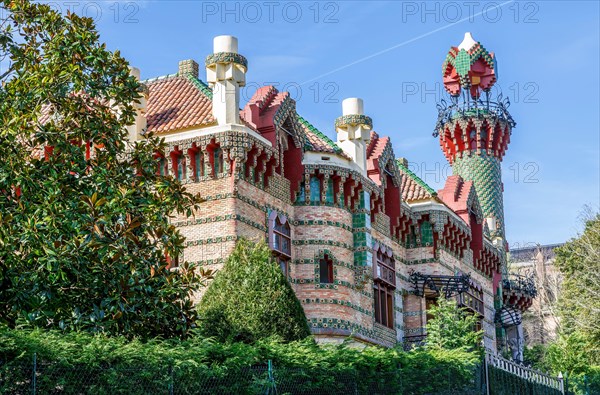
(390, 53)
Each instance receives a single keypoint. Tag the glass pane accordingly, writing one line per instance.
(315, 190)
(285, 229)
(283, 266)
(162, 166)
(383, 307)
(285, 245)
(300, 197)
(180, 168)
(276, 242)
(324, 271)
(199, 164)
(390, 310)
(426, 234)
(329, 196)
(377, 315)
(218, 160)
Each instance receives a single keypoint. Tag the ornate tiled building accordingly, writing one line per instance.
(365, 243)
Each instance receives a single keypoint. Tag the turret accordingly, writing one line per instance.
(353, 131)
(226, 73)
(474, 130)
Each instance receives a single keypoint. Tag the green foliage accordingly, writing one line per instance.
(82, 239)
(302, 366)
(251, 299)
(579, 301)
(452, 328)
(536, 356)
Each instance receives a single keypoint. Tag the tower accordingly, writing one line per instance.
(474, 128)
(474, 131)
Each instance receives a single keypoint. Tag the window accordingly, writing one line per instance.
(326, 270)
(280, 240)
(180, 167)
(384, 305)
(162, 166)
(384, 284)
(426, 234)
(315, 190)
(218, 160)
(198, 165)
(329, 195)
(300, 195)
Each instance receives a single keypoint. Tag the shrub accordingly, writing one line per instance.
(251, 299)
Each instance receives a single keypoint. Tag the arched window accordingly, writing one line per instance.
(198, 165)
(280, 240)
(326, 270)
(426, 234)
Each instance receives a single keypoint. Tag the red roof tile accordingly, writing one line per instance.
(413, 188)
(176, 103)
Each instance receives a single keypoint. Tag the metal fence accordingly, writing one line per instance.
(30, 376)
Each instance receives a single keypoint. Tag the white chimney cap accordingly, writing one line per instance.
(225, 44)
(352, 106)
(135, 72)
(467, 42)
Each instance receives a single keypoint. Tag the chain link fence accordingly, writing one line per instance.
(30, 376)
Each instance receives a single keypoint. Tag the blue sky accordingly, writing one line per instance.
(390, 54)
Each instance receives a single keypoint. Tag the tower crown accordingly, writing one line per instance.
(474, 122)
(469, 67)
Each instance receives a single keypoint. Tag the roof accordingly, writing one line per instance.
(413, 188)
(317, 141)
(178, 102)
(461, 197)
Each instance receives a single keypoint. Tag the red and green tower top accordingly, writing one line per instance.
(474, 127)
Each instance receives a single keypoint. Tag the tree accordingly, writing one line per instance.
(451, 327)
(579, 302)
(84, 218)
(251, 299)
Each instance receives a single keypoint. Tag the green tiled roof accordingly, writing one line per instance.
(319, 134)
(200, 85)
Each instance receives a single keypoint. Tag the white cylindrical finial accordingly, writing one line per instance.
(352, 106)
(467, 42)
(225, 44)
(134, 71)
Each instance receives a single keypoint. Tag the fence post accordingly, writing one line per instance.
(33, 379)
(487, 376)
(171, 384)
(271, 388)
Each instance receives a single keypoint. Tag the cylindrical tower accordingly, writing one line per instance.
(474, 131)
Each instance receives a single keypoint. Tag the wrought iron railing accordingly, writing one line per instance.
(520, 283)
(464, 105)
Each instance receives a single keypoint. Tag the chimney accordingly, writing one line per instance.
(353, 131)
(226, 73)
(137, 129)
(188, 67)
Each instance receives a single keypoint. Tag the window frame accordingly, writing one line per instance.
(326, 263)
(384, 285)
(280, 231)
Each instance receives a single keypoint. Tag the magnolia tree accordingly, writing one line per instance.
(84, 218)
